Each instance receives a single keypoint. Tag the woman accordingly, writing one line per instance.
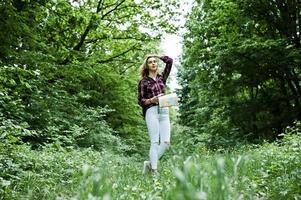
(152, 85)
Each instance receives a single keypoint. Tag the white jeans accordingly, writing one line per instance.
(158, 125)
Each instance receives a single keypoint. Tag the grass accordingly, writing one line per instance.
(268, 171)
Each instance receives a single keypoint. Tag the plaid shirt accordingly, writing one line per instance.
(148, 87)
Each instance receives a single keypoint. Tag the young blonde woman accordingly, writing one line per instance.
(152, 85)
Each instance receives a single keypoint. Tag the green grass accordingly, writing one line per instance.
(268, 171)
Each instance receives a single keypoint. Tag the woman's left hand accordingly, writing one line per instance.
(155, 100)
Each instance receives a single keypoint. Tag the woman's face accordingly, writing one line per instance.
(152, 64)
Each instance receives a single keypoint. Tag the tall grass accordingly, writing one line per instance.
(267, 171)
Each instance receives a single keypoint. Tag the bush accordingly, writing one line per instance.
(268, 171)
(276, 172)
(42, 174)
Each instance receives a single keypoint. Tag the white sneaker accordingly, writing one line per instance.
(146, 167)
(155, 174)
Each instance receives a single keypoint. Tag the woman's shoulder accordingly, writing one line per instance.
(143, 80)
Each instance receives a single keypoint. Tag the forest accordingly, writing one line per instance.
(71, 126)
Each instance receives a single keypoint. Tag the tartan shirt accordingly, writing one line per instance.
(148, 87)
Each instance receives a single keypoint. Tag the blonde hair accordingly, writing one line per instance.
(144, 71)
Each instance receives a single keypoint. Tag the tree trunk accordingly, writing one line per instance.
(294, 91)
(254, 127)
(284, 92)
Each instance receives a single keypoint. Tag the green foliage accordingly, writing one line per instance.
(69, 70)
(66, 118)
(270, 171)
(69, 119)
(10, 129)
(16, 85)
(276, 174)
(240, 69)
(41, 174)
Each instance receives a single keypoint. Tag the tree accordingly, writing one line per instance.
(245, 67)
(60, 59)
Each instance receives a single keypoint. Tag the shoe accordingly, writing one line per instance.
(146, 167)
(155, 173)
(156, 177)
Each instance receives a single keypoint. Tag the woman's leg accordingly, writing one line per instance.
(152, 123)
(164, 126)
